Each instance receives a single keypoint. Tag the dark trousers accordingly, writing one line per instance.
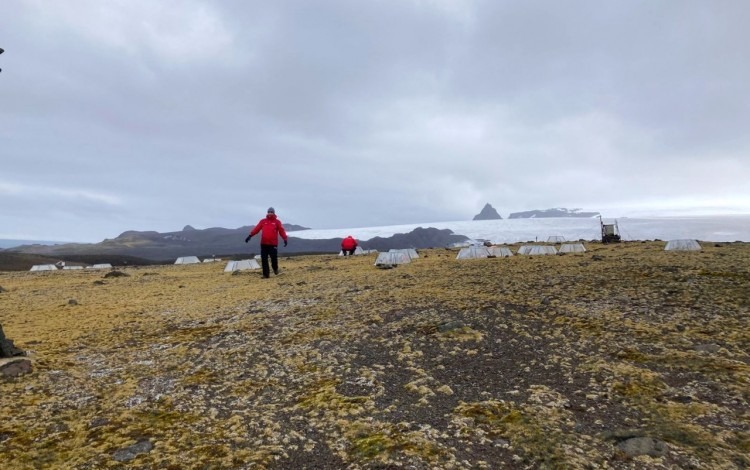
(350, 252)
(265, 252)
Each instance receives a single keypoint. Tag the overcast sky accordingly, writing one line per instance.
(149, 115)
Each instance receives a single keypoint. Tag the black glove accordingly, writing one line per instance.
(248, 238)
(284, 242)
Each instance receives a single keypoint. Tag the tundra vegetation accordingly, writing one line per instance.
(625, 356)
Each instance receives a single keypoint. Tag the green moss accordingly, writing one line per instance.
(633, 355)
(686, 436)
(323, 395)
(211, 452)
(381, 442)
(463, 334)
(200, 377)
(494, 414)
(725, 274)
(533, 433)
(742, 441)
(640, 388)
(191, 334)
(710, 365)
(154, 422)
(368, 447)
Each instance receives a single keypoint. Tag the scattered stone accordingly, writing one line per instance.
(636, 446)
(99, 283)
(2, 290)
(57, 427)
(72, 302)
(116, 274)
(681, 398)
(597, 258)
(451, 325)
(97, 422)
(502, 443)
(709, 348)
(131, 452)
(15, 367)
(545, 300)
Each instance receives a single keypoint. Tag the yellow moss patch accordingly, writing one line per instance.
(380, 442)
(323, 396)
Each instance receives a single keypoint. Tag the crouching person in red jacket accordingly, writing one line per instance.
(270, 228)
(348, 245)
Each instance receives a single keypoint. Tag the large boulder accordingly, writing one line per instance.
(636, 446)
(7, 349)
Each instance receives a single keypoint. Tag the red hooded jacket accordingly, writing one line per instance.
(272, 228)
(348, 243)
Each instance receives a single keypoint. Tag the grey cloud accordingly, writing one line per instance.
(346, 113)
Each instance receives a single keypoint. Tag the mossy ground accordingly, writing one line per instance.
(517, 362)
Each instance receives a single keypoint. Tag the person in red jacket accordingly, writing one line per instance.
(270, 228)
(348, 245)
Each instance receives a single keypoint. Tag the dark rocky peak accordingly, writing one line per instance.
(487, 213)
(188, 228)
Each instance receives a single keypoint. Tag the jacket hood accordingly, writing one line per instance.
(271, 216)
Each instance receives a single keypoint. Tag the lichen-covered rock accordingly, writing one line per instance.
(707, 348)
(131, 452)
(636, 446)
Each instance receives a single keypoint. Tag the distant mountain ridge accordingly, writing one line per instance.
(10, 243)
(155, 246)
(555, 212)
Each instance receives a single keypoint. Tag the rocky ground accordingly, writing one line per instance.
(622, 357)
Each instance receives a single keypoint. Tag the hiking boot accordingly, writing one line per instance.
(276, 272)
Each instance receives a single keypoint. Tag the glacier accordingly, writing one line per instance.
(724, 228)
